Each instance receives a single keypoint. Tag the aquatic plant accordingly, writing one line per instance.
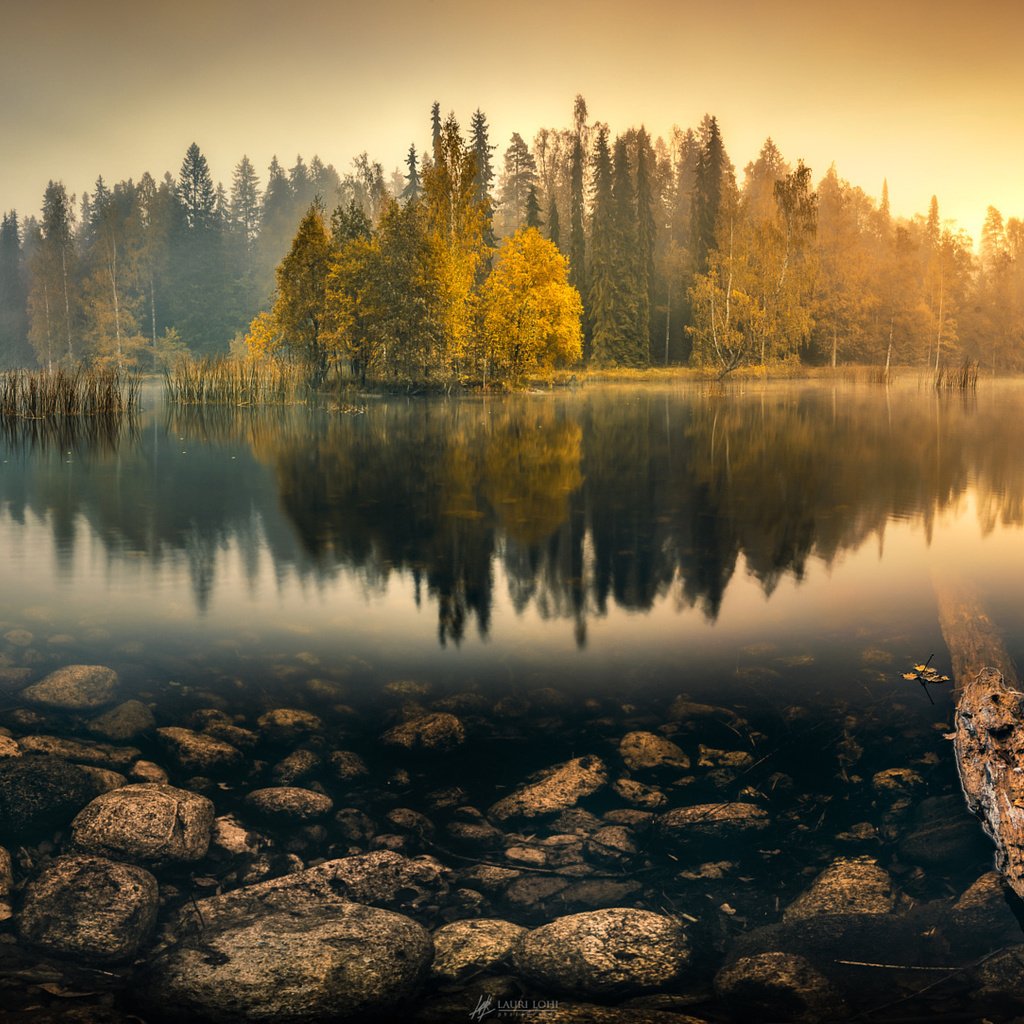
(964, 379)
(231, 381)
(46, 394)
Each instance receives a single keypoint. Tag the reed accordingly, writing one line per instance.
(964, 378)
(61, 393)
(237, 382)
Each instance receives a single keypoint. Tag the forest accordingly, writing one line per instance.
(580, 249)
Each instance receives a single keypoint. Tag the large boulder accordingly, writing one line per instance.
(39, 794)
(604, 953)
(281, 964)
(554, 789)
(149, 822)
(89, 907)
(74, 688)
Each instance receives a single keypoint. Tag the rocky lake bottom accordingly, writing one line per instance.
(426, 853)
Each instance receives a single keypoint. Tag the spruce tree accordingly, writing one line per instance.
(196, 191)
(244, 205)
(707, 195)
(554, 228)
(578, 277)
(646, 232)
(482, 150)
(602, 269)
(533, 209)
(435, 130)
(520, 173)
(14, 349)
(413, 187)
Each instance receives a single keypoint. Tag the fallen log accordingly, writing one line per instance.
(988, 736)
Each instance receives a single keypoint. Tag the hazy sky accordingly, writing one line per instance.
(927, 93)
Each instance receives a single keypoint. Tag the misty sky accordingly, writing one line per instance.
(927, 93)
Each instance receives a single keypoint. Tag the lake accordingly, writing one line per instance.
(556, 569)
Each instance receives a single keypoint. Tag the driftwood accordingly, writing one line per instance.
(988, 736)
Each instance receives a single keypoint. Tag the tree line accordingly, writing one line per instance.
(579, 247)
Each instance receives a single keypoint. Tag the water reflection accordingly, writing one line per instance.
(587, 500)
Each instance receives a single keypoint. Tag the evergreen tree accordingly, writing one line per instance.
(712, 165)
(435, 130)
(244, 206)
(646, 234)
(53, 299)
(196, 192)
(482, 150)
(413, 186)
(578, 276)
(519, 175)
(301, 292)
(628, 344)
(554, 228)
(533, 209)
(14, 348)
(602, 269)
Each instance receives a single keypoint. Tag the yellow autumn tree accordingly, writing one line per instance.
(529, 314)
(295, 325)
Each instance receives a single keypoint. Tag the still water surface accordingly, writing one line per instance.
(764, 538)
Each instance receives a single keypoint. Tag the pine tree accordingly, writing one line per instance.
(554, 228)
(244, 205)
(646, 233)
(482, 150)
(712, 166)
(435, 130)
(578, 277)
(602, 269)
(519, 174)
(196, 192)
(53, 299)
(14, 348)
(413, 187)
(533, 209)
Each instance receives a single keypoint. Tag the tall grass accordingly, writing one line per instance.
(963, 379)
(48, 395)
(229, 381)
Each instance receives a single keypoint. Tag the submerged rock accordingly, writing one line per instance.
(40, 793)
(6, 884)
(433, 733)
(339, 961)
(74, 688)
(288, 725)
(554, 789)
(149, 822)
(646, 751)
(197, 752)
(380, 878)
(778, 987)
(846, 886)
(468, 947)
(710, 823)
(289, 803)
(89, 907)
(125, 722)
(604, 952)
(103, 755)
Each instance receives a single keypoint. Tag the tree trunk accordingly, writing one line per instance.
(988, 737)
